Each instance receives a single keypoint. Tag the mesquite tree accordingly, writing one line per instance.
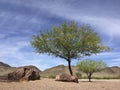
(90, 66)
(68, 41)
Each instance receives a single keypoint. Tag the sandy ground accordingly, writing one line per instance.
(51, 84)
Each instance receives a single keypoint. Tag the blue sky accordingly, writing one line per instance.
(20, 19)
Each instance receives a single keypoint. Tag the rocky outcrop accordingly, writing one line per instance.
(25, 73)
(66, 77)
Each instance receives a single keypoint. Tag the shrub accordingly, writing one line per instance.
(51, 77)
(89, 66)
(79, 75)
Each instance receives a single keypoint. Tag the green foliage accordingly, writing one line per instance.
(115, 77)
(90, 66)
(68, 41)
(51, 77)
(79, 75)
(111, 77)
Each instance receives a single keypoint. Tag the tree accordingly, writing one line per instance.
(68, 41)
(90, 66)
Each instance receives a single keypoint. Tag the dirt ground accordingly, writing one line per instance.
(51, 84)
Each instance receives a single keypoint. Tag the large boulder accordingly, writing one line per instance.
(66, 77)
(25, 73)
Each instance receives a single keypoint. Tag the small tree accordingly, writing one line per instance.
(90, 66)
(69, 42)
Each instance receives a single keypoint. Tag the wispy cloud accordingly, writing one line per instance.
(111, 58)
(114, 62)
(17, 51)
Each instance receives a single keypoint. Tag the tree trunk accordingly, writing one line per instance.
(69, 66)
(89, 79)
(89, 76)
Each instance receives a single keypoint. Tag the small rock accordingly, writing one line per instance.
(66, 77)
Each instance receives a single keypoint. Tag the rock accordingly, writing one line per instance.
(66, 77)
(74, 79)
(16, 75)
(24, 74)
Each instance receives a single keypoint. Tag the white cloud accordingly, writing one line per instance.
(13, 54)
(117, 60)
(113, 54)
(107, 24)
(11, 51)
(114, 62)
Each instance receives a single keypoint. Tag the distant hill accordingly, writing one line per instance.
(109, 72)
(57, 70)
(5, 68)
(31, 66)
(4, 65)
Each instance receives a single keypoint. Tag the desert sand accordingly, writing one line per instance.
(51, 84)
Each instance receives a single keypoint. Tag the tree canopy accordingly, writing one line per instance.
(68, 41)
(89, 66)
